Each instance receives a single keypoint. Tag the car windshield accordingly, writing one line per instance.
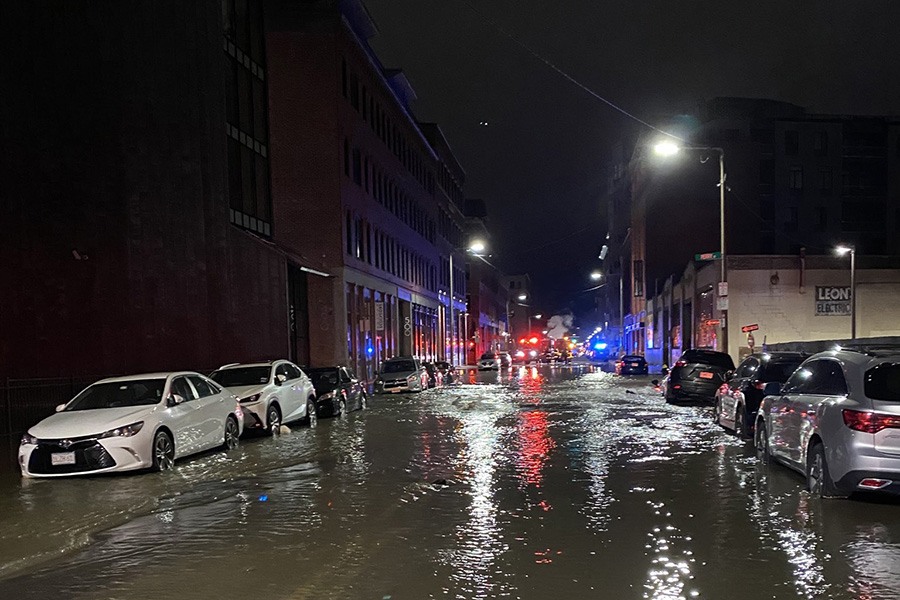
(323, 378)
(883, 382)
(442, 365)
(487, 356)
(398, 366)
(633, 358)
(778, 370)
(241, 376)
(116, 394)
(715, 359)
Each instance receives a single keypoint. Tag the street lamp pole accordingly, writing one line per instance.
(452, 314)
(668, 148)
(841, 251)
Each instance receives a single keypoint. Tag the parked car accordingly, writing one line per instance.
(697, 375)
(447, 370)
(526, 355)
(435, 377)
(836, 421)
(489, 361)
(130, 423)
(271, 393)
(505, 360)
(337, 391)
(401, 374)
(738, 400)
(632, 364)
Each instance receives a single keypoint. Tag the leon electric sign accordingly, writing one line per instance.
(832, 301)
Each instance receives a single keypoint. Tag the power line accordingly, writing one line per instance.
(564, 74)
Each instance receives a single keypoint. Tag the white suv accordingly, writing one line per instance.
(270, 393)
(837, 421)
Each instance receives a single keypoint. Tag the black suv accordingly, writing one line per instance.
(697, 375)
(737, 402)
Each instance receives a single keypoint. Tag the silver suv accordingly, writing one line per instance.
(837, 421)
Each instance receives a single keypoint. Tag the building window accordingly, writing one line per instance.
(825, 181)
(767, 172)
(346, 157)
(791, 143)
(820, 143)
(793, 221)
(822, 218)
(357, 166)
(354, 91)
(348, 227)
(638, 278)
(796, 178)
(767, 208)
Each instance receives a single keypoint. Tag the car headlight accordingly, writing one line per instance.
(29, 439)
(411, 378)
(249, 399)
(125, 431)
(327, 396)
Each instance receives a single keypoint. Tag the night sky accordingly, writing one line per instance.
(538, 163)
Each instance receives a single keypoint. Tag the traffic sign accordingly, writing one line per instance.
(713, 322)
(749, 328)
(708, 256)
(723, 288)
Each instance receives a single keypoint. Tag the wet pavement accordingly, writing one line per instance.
(551, 483)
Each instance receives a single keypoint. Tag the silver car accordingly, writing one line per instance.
(837, 421)
(401, 374)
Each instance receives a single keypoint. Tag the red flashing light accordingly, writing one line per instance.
(534, 340)
(760, 385)
(869, 422)
(681, 363)
(522, 341)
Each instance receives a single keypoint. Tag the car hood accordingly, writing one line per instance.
(245, 391)
(396, 376)
(80, 423)
(325, 389)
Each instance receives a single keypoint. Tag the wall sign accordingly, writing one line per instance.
(832, 301)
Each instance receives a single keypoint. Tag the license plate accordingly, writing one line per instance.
(635, 364)
(706, 375)
(62, 458)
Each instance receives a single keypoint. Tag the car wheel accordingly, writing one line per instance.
(342, 407)
(363, 401)
(273, 420)
(761, 442)
(312, 419)
(818, 480)
(232, 432)
(163, 452)
(741, 427)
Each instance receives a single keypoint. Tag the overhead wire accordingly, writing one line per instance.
(566, 75)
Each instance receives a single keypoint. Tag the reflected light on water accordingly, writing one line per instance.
(535, 445)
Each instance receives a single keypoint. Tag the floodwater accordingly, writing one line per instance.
(552, 483)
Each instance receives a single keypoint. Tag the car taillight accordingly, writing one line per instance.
(760, 385)
(681, 363)
(869, 422)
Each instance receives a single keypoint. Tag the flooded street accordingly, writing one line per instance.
(550, 483)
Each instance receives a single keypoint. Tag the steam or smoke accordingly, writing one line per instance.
(558, 326)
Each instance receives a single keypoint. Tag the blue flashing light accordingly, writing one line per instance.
(600, 346)
(370, 350)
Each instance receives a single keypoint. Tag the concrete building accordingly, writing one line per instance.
(520, 309)
(368, 194)
(776, 299)
(797, 183)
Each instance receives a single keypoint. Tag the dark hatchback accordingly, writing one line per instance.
(631, 364)
(738, 401)
(447, 370)
(337, 391)
(696, 376)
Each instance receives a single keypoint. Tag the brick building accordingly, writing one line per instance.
(193, 183)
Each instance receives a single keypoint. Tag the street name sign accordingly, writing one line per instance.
(708, 256)
(749, 328)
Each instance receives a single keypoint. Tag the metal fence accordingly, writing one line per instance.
(24, 402)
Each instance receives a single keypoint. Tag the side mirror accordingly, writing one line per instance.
(175, 400)
(773, 388)
(280, 378)
(60, 407)
(729, 375)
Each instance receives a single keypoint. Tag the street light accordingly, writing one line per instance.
(476, 247)
(843, 251)
(669, 148)
(523, 297)
(596, 276)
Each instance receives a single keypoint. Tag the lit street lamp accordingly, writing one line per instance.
(596, 276)
(476, 248)
(843, 251)
(668, 148)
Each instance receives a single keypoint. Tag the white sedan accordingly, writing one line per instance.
(129, 423)
(270, 393)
